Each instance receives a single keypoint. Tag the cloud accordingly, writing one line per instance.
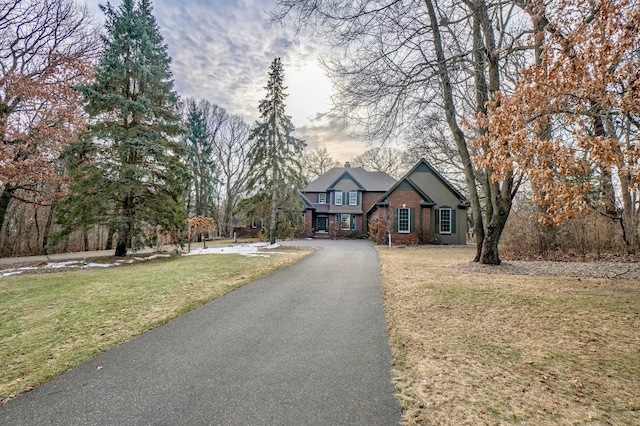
(333, 134)
(221, 51)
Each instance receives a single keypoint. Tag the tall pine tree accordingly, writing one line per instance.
(129, 164)
(198, 138)
(276, 159)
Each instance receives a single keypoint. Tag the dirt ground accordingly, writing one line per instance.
(532, 343)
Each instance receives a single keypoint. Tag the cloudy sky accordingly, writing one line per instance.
(221, 52)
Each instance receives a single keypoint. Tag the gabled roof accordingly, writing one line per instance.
(366, 181)
(427, 201)
(307, 203)
(441, 178)
(347, 175)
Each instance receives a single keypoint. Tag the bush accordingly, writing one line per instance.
(589, 236)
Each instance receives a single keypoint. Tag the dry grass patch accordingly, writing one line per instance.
(473, 348)
(52, 322)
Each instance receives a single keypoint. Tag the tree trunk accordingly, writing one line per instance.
(456, 131)
(47, 228)
(274, 212)
(5, 198)
(124, 240)
(628, 222)
(110, 233)
(490, 253)
(121, 248)
(125, 233)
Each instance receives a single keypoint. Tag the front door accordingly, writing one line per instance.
(321, 224)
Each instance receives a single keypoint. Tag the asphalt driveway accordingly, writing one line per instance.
(306, 345)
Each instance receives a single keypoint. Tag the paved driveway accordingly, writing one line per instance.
(306, 345)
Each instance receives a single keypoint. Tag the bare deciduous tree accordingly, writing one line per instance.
(392, 161)
(231, 150)
(399, 61)
(317, 162)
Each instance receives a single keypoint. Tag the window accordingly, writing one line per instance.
(345, 222)
(338, 198)
(257, 223)
(445, 221)
(404, 216)
(353, 198)
(322, 198)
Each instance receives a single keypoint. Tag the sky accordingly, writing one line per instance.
(221, 51)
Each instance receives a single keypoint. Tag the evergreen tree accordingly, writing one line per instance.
(276, 159)
(129, 163)
(198, 139)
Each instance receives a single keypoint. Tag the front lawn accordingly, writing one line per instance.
(474, 348)
(52, 322)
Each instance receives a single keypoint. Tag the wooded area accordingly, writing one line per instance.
(527, 106)
(567, 70)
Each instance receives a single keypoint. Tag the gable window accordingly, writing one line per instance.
(445, 221)
(404, 216)
(338, 198)
(353, 198)
(322, 198)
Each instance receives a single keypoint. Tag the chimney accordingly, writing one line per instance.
(347, 164)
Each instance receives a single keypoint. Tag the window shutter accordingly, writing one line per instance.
(395, 219)
(338, 221)
(437, 211)
(353, 221)
(412, 220)
(454, 213)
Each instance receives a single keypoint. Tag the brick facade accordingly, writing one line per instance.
(308, 223)
(423, 191)
(383, 218)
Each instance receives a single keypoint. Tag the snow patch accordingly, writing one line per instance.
(252, 249)
(98, 265)
(8, 274)
(68, 264)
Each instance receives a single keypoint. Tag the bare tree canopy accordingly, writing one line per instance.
(392, 161)
(317, 162)
(395, 63)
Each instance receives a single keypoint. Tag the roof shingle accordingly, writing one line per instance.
(370, 181)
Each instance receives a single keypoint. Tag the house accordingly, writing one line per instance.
(420, 208)
(336, 202)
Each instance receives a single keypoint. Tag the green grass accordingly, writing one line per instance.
(52, 322)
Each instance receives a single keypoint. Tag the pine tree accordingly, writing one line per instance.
(276, 160)
(198, 139)
(129, 163)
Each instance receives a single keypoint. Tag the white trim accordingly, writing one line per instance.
(408, 221)
(445, 225)
(353, 198)
(342, 217)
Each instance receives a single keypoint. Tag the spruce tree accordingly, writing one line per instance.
(129, 163)
(198, 139)
(276, 159)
